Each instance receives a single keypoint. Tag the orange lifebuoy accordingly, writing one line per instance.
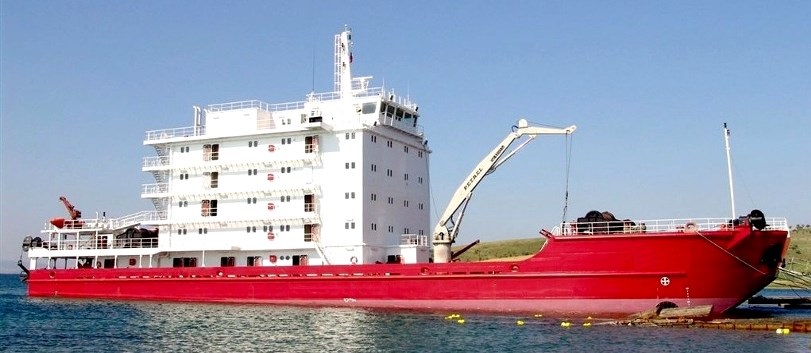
(353, 260)
(272, 258)
(271, 206)
(271, 177)
(271, 148)
(271, 236)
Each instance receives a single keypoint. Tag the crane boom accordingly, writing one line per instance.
(447, 226)
(72, 211)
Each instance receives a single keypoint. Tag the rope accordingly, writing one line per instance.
(797, 279)
(729, 253)
(569, 141)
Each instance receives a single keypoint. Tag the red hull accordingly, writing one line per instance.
(596, 275)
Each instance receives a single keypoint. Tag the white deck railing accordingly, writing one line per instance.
(414, 239)
(658, 226)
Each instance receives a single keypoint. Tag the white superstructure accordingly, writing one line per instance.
(339, 178)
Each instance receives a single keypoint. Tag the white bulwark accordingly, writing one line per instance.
(339, 178)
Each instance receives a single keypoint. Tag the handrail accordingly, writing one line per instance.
(414, 239)
(658, 226)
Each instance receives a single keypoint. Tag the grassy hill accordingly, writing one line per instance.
(798, 257)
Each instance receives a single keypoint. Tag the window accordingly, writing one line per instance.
(369, 108)
(391, 200)
(250, 229)
(405, 231)
(212, 179)
(374, 197)
(405, 149)
(374, 167)
(208, 208)
(309, 203)
(310, 144)
(251, 200)
(420, 205)
(405, 176)
(227, 261)
(350, 135)
(254, 260)
(183, 203)
(389, 172)
(374, 226)
(184, 176)
(419, 154)
(405, 203)
(284, 198)
(211, 152)
(391, 229)
(181, 231)
(390, 143)
(184, 262)
(184, 149)
(419, 180)
(286, 169)
(349, 225)
(310, 232)
(374, 138)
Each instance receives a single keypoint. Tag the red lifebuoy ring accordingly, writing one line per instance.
(272, 259)
(271, 148)
(271, 236)
(271, 206)
(353, 260)
(271, 177)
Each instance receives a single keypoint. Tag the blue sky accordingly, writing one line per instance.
(648, 83)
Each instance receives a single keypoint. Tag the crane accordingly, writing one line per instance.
(72, 211)
(447, 227)
(74, 214)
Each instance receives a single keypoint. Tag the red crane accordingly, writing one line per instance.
(75, 214)
(72, 211)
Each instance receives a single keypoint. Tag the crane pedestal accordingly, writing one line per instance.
(442, 251)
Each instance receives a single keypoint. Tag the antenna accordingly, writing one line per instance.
(313, 64)
(729, 171)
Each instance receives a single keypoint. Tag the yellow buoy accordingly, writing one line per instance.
(519, 323)
(538, 315)
(586, 324)
(565, 324)
(460, 321)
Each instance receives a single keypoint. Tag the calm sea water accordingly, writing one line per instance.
(49, 325)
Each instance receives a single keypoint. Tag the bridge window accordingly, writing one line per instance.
(369, 108)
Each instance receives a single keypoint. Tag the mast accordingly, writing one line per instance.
(343, 63)
(729, 171)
